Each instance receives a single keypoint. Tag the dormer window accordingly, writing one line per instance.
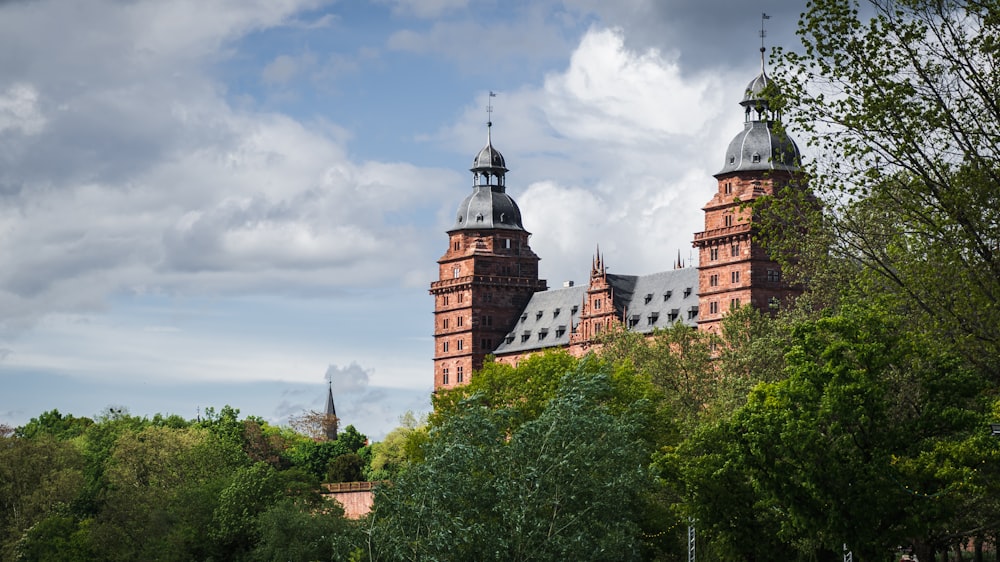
(542, 333)
(525, 336)
(652, 318)
(524, 317)
(649, 297)
(687, 292)
(560, 330)
(633, 320)
(755, 158)
(555, 313)
(574, 309)
(667, 295)
(538, 315)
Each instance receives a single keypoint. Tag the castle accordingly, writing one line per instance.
(488, 299)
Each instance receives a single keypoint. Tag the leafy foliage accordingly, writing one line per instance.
(562, 485)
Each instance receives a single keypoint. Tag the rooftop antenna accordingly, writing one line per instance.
(489, 117)
(763, 34)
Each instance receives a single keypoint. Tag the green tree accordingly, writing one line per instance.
(902, 113)
(296, 530)
(562, 486)
(873, 439)
(401, 446)
(39, 478)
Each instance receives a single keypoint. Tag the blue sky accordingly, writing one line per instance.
(226, 202)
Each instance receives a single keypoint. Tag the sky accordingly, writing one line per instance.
(212, 202)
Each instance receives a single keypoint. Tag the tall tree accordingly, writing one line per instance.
(902, 112)
(562, 486)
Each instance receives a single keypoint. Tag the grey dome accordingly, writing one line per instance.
(488, 207)
(489, 158)
(754, 92)
(758, 147)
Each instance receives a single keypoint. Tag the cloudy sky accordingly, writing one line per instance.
(224, 202)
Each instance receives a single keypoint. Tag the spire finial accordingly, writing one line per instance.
(763, 34)
(489, 117)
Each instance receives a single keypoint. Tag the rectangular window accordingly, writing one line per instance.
(461, 297)
(458, 344)
(729, 188)
(457, 245)
(734, 276)
(459, 322)
(773, 276)
(444, 324)
(444, 300)
(713, 281)
(487, 320)
(444, 347)
(729, 220)
(735, 249)
(487, 344)
(459, 374)
(456, 272)
(444, 375)
(713, 307)
(713, 254)
(597, 304)
(734, 303)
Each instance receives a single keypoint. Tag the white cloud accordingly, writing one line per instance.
(19, 109)
(617, 149)
(143, 176)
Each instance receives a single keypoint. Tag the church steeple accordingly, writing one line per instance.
(330, 415)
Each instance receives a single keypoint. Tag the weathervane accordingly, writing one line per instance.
(489, 110)
(763, 34)
(489, 117)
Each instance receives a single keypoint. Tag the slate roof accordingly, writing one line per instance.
(546, 321)
(647, 302)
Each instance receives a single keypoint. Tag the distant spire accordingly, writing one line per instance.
(679, 264)
(331, 415)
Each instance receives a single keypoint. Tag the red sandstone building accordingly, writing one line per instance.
(488, 299)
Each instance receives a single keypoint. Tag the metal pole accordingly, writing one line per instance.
(691, 540)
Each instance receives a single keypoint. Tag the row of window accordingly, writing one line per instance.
(459, 375)
(445, 300)
(446, 345)
(713, 307)
(734, 251)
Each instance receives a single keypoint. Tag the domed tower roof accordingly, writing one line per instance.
(762, 144)
(489, 205)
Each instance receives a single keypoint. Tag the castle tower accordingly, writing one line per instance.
(486, 276)
(733, 269)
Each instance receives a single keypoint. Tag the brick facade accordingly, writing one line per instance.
(733, 268)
